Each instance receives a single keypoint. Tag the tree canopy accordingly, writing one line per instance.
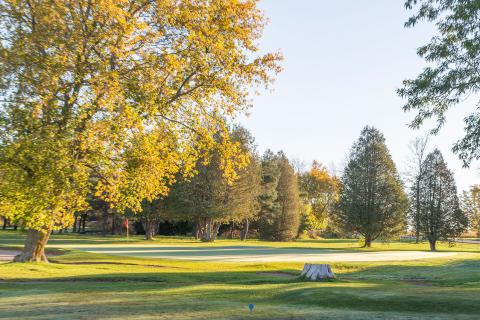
(131, 92)
(320, 192)
(470, 204)
(453, 70)
(279, 199)
(440, 217)
(372, 202)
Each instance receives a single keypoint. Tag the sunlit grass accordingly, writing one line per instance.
(86, 285)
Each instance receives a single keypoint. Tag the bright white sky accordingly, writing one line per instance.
(344, 59)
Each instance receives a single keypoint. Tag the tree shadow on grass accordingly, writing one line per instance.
(120, 294)
(451, 274)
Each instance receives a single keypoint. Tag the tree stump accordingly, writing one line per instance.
(316, 272)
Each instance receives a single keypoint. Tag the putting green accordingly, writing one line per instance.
(257, 253)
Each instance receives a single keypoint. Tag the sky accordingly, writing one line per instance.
(344, 60)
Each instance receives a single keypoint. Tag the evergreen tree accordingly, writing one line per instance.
(280, 200)
(288, 220)
(243, 194)
(210, 199)
(201, 199)
(373, 202)
(269, 206)
(440, 214)
(471, 206)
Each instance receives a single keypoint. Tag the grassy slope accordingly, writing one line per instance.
(86, 285)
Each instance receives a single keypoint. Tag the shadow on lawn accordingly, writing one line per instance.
(135, 293)
(463, 273)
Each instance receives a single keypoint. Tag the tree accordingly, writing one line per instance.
(210, 199)
(471, 206)
(151, 215)
(288, 198)
(243, 194)
(440, 214)
(133, 92)
(320, 191)
(453, 72)
(372, 202)
(202, 199)
(280, 200)
(418, 149)
(269, 207)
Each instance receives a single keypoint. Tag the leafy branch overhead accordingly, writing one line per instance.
(453, 71)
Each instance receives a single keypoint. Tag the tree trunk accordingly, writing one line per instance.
(113, 223)
(244, 233)
(433, 245)
(84, 220)
(74, 227)
(150, 229)
(316, 272)
(209, 230)
(368, 242)
(199, 230)
(216, 228)
(34, 249)
(195, 230)
(206, 230)
(5, 222)
(105, 221)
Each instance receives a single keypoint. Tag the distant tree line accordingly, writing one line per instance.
(271, 200)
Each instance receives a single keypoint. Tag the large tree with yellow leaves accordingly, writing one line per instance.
(118, 96)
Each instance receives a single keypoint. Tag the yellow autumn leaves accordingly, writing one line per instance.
(119, 98)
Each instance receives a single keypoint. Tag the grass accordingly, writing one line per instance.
(82, 285)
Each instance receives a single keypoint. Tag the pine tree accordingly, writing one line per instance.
(210, 199)
(280, 201)
(440, 214)
(373, 202)
(288, 220)
(269, 206)
(471, 206)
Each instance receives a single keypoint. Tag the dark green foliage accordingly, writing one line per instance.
(453, 71)
(208, 198)
(242, 196)
(440, 217)
(152, 213)
(269, 207)
(280, 200)
(372, 203)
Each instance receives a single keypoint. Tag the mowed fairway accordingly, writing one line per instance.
(109, 284)
(259, 253)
